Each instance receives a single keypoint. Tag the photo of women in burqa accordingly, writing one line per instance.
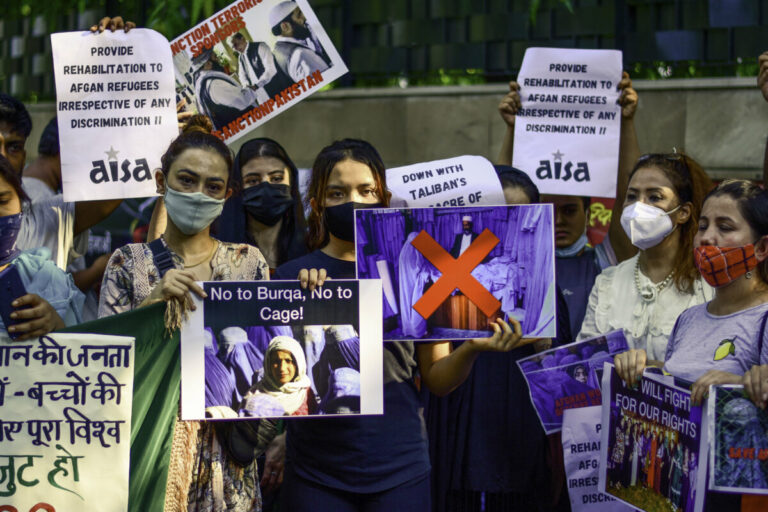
(262, 372)
(741, 442)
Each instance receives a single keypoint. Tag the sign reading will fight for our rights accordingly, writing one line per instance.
(459, 181)
(116, 112)
(65, 423)
(567, 131)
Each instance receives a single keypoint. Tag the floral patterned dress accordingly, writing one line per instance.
(217, 482)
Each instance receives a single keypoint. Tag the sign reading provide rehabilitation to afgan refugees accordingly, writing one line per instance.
(252, 61)
(65, 423)
(567, 131)
(115, 110)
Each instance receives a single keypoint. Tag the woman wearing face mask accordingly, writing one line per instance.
(645, 294)
(267, 211)
(194, 180)
(718, 342)
(52, 301)
(371, 463)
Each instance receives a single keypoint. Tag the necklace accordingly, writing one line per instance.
(649, 292)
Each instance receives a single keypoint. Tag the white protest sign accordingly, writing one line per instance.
(65, 432)
(567, 131)
(459, 181)
(251, 61)
(116, 113)
(581, 455)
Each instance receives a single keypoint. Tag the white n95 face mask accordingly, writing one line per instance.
(645, 225)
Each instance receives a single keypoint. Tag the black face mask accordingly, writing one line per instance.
(340, 219)
(267, 202)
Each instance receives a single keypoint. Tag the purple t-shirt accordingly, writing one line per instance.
(702, 341)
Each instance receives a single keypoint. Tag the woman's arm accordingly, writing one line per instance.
(508, 109)
(444, 369)
(629, 152)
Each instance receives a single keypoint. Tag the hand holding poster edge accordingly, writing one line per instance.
(131, 120)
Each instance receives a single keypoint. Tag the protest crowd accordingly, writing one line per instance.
(683, 268)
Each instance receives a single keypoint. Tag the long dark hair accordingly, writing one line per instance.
(293, 219)
(347, 149)
(753, 205)
(691, 184)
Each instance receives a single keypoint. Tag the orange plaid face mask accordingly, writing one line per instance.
(722, 265)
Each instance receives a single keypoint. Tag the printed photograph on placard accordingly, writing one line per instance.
(739, 433)
(448, 273)
(567, 377)
(650, 446)
(250, 61)
(268, 352)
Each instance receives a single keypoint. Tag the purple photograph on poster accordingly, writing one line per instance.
(497, 262)
(738, 457)
(568, 377)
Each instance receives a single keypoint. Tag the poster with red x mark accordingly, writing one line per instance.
(448, 273)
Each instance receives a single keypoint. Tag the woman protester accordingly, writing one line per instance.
(266, 209)
(50, 300)
(368, 463)
(645, 294)
(719, 341)
(194, 180)
(284, 390)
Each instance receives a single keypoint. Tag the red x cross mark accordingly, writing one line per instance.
(456, 273)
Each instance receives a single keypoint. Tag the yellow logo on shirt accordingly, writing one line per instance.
(725, 349)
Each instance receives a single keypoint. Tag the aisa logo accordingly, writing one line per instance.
(111, 169)
(559, 170)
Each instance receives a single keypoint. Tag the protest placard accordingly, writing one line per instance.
(581, 456)
(115, 110)
(251, 61)
(567, 131)
(460, 181)
(566, 377)
(271, 348)
(738, 430)
(448, 273)
(65, 422)
(653, 444)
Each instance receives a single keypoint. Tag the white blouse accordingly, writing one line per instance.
(616, 303)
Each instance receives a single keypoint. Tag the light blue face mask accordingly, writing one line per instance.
(192, 212)
(573, 249)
